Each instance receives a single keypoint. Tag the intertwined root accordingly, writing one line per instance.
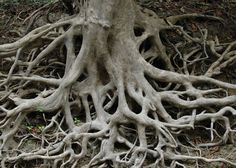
(105, 85)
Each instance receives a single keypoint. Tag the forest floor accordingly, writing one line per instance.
(15, 22)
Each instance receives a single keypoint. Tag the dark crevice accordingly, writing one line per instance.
(83, 76)
(133, 105)
(129, 131)
(103, 74)
(150, 115)
(92, 109)
(114, 106)
(78, 113)
(187, 97)
(159, 63)
(78, 40)
(146, 45)
(172, 110)
(138, 31)
(76, 148)
(152, 139)
(157, 85)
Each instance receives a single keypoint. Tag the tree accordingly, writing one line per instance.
(106, 85)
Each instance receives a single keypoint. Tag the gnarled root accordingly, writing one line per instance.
(105, 85)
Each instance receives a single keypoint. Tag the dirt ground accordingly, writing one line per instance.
(14, 23)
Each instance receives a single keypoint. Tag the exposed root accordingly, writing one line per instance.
(105, 84)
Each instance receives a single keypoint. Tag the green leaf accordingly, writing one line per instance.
(77, 120)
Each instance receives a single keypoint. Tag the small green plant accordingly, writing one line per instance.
(35, 129)
(41, 127)
(77, 120)
(30, 127)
